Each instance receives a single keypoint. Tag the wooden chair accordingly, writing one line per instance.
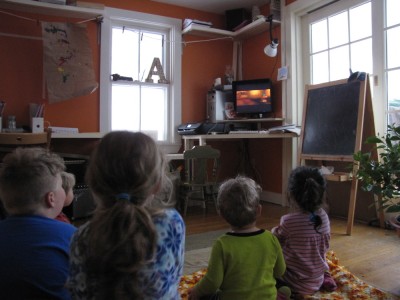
(201, 173)
(11, 140)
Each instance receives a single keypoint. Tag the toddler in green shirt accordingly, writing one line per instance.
(245, 261)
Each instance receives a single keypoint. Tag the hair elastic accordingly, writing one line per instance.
(123, 196)
(313, 217)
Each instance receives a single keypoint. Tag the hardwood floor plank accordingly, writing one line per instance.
(370, 253)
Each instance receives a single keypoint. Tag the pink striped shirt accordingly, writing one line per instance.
(304, 250)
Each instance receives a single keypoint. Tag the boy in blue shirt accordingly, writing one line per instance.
(34, 247)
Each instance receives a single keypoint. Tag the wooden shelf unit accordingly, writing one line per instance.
(254, 28)
(44, 8)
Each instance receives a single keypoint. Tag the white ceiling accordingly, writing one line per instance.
(216, 6)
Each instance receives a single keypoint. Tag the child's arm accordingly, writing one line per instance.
(211, 282)
(280, 265)
(281, 231)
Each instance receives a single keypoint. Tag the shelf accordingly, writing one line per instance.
(338, 176)
(252, 29)
(50, 9)
(83, 135)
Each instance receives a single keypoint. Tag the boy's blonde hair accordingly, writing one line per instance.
(26, 176)
(68, 181)
(238, 201)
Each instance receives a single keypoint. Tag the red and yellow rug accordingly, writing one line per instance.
(349, 286)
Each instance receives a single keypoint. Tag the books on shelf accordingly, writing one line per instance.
(188, 22)
(285, 128)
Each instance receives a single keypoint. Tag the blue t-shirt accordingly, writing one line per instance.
(34, 254)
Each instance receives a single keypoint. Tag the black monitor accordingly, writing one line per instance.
(252, 98)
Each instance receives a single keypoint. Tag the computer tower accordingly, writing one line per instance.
(216, 101)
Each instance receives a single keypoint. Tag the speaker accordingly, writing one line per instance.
(235, 17)
(83, 205)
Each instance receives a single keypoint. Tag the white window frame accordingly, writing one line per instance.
(174, 26)
(293, 58)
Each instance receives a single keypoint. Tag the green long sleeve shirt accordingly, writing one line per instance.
(244, 266)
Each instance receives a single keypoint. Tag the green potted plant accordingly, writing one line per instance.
(380, 174)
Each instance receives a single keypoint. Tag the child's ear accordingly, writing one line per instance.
(49, 199)
(259, 209)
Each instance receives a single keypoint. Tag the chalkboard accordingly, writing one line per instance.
(333, 127)
(330, 124)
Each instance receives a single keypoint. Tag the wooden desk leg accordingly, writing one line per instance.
(188, 144)
(202, 142)
(352, 206)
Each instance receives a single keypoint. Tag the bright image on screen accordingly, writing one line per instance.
(253, 101)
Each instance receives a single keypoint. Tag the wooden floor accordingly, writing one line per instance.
(370, 253)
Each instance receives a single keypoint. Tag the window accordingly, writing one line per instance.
(328, 38)
(340, 42)
(392, 62)
(136, 49)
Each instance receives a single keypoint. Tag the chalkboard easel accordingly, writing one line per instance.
(333, 128)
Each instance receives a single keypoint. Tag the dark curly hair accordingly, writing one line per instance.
(307, 187)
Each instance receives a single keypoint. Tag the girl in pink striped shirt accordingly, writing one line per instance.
(305, 233)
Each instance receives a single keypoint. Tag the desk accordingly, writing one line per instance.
(287, 160)
(202, 138)
(81, 140)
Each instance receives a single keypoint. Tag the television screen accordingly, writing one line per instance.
(253, 96)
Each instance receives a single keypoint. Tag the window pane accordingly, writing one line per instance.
(393, 89)
(151, 46)
(124, 52)
(339, 63)
(361, 56)
(125, 107)
(320, 68)
(392, 12)
(360, 22)
(393, 47)
(338, 30)
(319, 36)
(154, 112)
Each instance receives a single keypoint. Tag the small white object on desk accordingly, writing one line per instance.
(68, 130)
(285, 128)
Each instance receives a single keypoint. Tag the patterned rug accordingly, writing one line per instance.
(349, 286)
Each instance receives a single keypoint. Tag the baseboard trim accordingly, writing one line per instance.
(271, 197)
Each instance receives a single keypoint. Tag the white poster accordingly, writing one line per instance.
(68, 62)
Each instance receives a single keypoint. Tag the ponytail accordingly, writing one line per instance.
(307, 187)
(120, 239)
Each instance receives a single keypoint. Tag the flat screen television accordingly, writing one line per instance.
(252, 98)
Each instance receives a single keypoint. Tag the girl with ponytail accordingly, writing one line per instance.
(305, 233)
(133, 246)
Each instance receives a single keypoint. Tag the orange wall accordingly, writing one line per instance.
(21, 75)
(21, 79)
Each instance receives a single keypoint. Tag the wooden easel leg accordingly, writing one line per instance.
(352, 206)
(381, 214)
